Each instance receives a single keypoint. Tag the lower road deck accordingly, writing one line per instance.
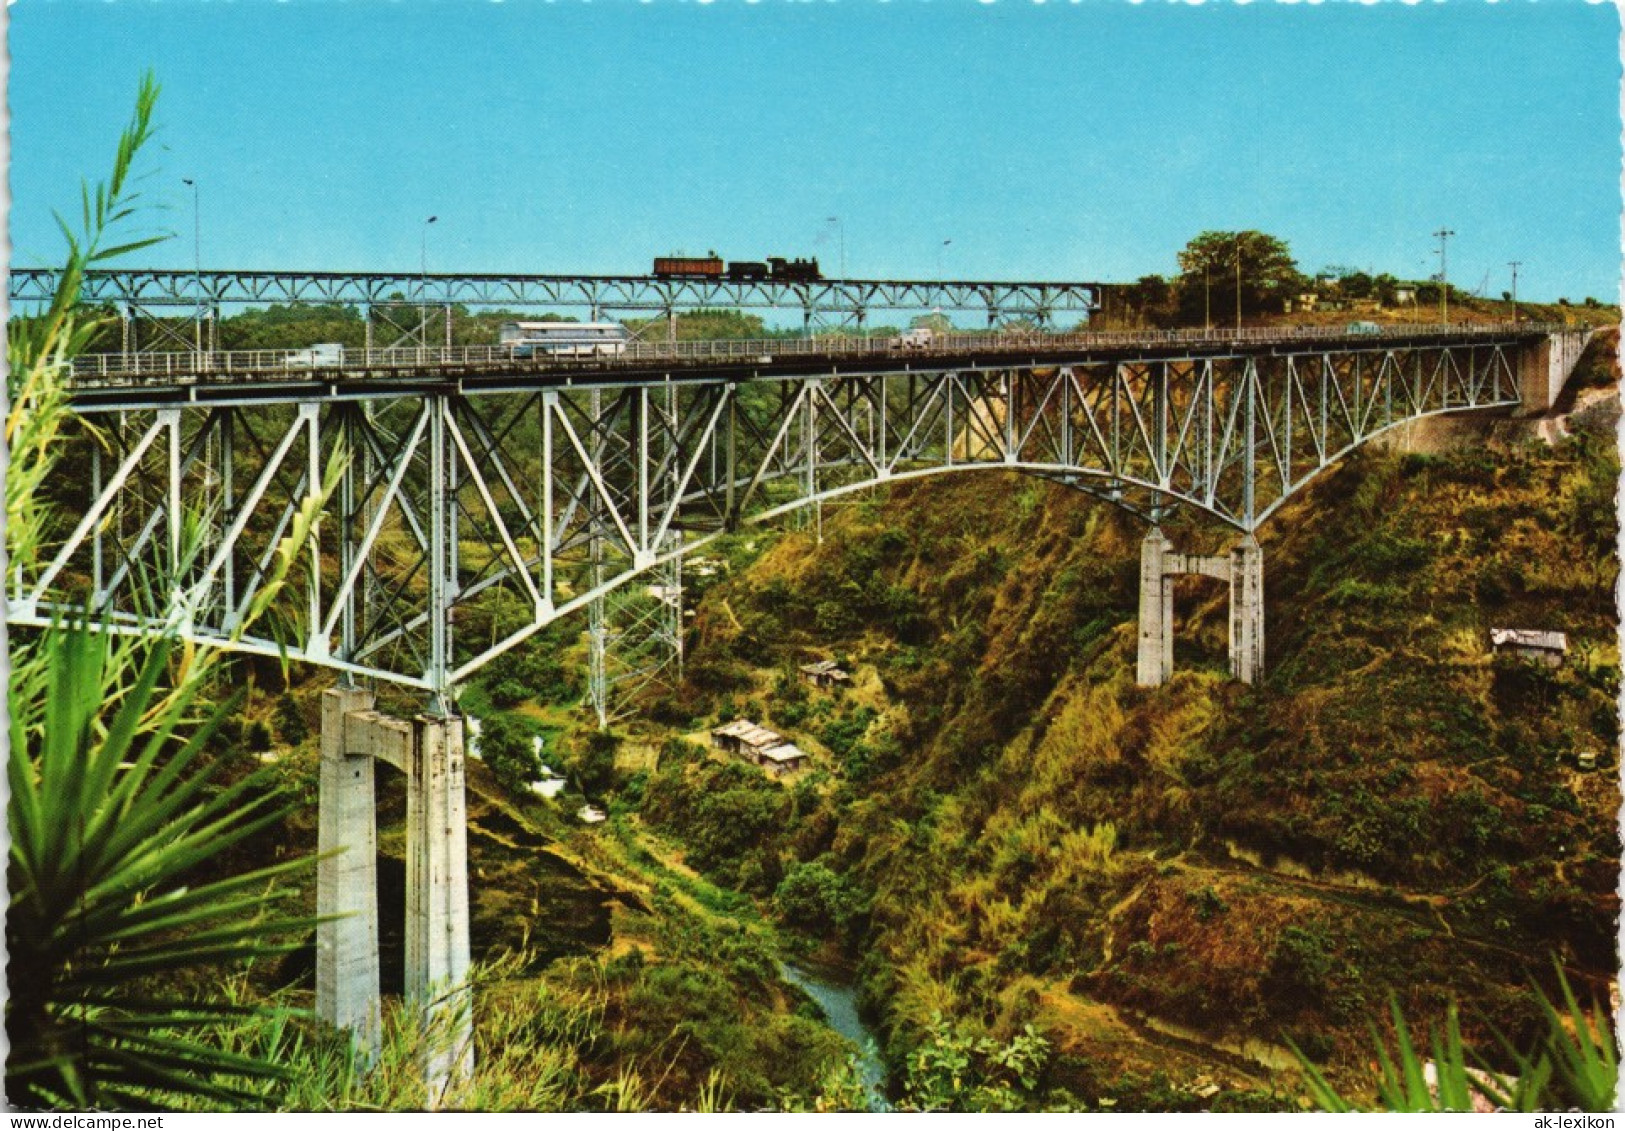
(151, 379)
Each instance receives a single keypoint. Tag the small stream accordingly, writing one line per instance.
(839, 1001)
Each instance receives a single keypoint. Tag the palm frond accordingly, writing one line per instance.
(115, 807)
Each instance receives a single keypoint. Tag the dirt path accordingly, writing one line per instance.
(1423, 909)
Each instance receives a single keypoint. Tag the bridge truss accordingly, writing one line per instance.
(416, 308)
(465, 516)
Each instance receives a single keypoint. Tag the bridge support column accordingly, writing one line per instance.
(1242, 569)
(347, 993)
(1156, 652)
(429, 750)
(1247, 611)
(437, 948)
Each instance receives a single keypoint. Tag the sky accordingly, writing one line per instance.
(911, 138)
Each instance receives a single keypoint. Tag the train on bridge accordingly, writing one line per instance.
(775, 268)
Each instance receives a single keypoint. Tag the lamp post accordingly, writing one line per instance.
(423, 283)
(423, 251)
(940, 250)
(197, 263)
(1444, 235)
(1238, 281)
(1515, 264)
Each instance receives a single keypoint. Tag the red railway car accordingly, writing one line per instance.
(674, 266)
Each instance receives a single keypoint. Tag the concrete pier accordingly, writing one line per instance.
(1242, 569)
(1156, 652)
(437, 948)
(347, 995)
(429, 750)
(1247, 611)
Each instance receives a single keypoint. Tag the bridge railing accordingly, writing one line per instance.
(308, 365)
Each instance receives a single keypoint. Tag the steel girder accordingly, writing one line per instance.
(844, 301)
(461, 522)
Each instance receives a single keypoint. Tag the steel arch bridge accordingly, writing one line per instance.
(474, 504)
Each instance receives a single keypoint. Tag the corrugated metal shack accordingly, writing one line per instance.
(1544, 647)
(825, 674)
(766, 748)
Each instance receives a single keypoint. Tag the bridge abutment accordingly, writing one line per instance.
(429, 750)
(1544, 368)
(1242, 568)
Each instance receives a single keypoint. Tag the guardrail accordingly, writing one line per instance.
(297, 365)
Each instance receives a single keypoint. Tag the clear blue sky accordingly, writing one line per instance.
(1046, 141)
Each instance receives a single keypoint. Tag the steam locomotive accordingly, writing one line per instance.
(777, 269)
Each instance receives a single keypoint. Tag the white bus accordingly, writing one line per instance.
(564, 339)
(322, 355)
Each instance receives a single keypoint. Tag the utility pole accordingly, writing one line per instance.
(840, 231)
(1444, 235)
(1515, 264)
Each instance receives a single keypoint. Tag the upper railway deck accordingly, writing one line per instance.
(123, 380)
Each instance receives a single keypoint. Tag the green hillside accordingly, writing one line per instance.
(1168, 882)
(1052, 888)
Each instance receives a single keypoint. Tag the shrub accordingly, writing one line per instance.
(949, 1070)
(1207, 902)
(594, 767)
(290, 721)
(257, 737)
(813, 899)
(508, 747)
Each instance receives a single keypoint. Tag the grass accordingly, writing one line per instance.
(1573, 1064)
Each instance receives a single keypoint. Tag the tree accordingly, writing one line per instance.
(936, 321)
(508, 747)
(1356, 284)
(1208, 270)
(705, 325)
(293, 326)
(1152, 298)
(814, 899)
